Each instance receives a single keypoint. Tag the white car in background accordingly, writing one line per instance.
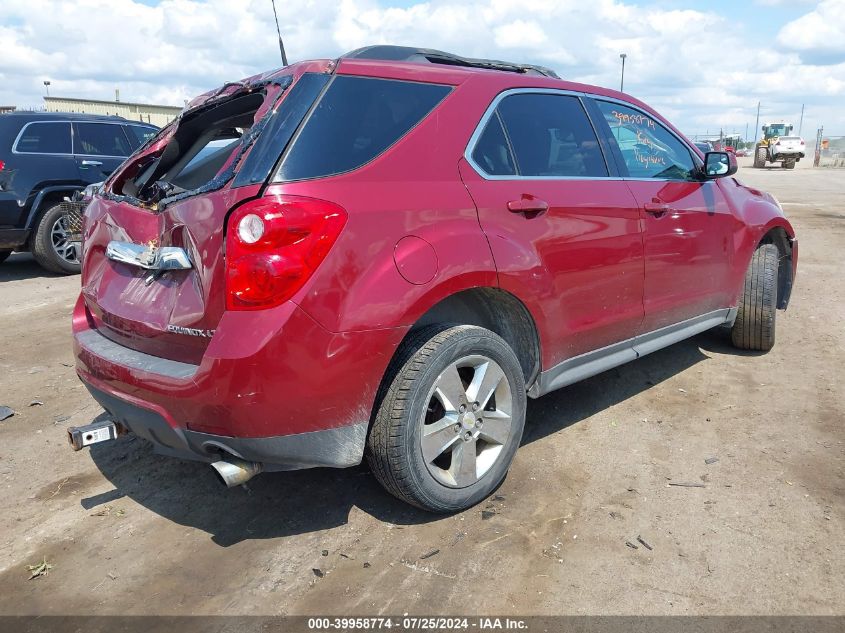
(788, 148)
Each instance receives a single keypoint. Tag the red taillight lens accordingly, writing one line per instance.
(802, 141)
(273, 245)
(2, 165)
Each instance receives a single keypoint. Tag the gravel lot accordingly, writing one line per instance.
(130, 532)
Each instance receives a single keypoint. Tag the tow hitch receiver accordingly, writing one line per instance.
(81, 436)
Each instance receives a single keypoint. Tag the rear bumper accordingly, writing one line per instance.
(273, 387)
(338, 448)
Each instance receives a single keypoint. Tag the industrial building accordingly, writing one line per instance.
(159, 115)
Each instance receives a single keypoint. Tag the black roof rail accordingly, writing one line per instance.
(432, 56)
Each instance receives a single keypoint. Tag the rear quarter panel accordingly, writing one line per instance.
(413, 189)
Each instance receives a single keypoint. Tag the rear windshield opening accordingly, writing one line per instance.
(201, 147)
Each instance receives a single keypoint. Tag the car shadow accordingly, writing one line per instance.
(288, 503)
(271, 505)
(21, 266)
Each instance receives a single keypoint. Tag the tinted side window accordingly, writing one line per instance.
(282, 125)
(45, 138)
(138, 135)
(100, 139)
(355, 121)
(551, 136)
(492, 153)
(649, 149)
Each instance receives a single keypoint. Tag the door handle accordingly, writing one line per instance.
(656, 208)
(91, 163)
(528, 205)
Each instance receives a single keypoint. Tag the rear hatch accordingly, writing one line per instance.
(140, 290)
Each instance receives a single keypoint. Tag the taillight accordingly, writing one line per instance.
(273, 245)
(2, 165)
(802, 141)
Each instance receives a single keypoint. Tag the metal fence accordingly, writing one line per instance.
(829, 151)
(73, 210)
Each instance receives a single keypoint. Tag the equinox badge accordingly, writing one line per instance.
(190, 331)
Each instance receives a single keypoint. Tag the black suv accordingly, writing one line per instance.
(46, 157)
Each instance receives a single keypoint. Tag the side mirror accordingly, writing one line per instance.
(719, 164)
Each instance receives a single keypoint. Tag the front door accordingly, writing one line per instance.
(688, 224)
(565, 233)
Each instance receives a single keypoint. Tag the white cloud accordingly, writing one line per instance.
(521, 34)
(701, 69)
(780, 3)
(819, 34)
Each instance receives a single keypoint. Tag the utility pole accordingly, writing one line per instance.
(757, 125)
(622, 82)
(801, 123)
(745, 138)
(278, 30)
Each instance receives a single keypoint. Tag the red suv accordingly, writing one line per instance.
(386, 253)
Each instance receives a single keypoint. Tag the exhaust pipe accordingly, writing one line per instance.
(234, 472)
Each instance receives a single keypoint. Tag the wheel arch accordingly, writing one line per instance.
(786, 270)
(45, 199)
(498, 311)
(484, 306)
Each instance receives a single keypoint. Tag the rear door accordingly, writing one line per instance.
(139, 134)
(99, 148)
(563, 228)
(40, 157)
(688, 223)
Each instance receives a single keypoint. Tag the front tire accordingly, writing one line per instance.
(760, 156)
(450, 420)
(51, 245)
(754, 328)
(4, 255)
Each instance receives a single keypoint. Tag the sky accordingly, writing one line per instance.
(704, 65)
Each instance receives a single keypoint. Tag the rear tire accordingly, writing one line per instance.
(4, 255)
(449, 420)
(754, 328)
(50, 246)
(760, 156)
(789, 164)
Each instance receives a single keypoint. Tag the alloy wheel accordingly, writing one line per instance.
(467, 421)
(60, 237)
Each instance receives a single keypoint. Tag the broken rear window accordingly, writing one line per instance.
(201, 150)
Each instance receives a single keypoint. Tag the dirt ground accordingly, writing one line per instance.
(131, 532)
